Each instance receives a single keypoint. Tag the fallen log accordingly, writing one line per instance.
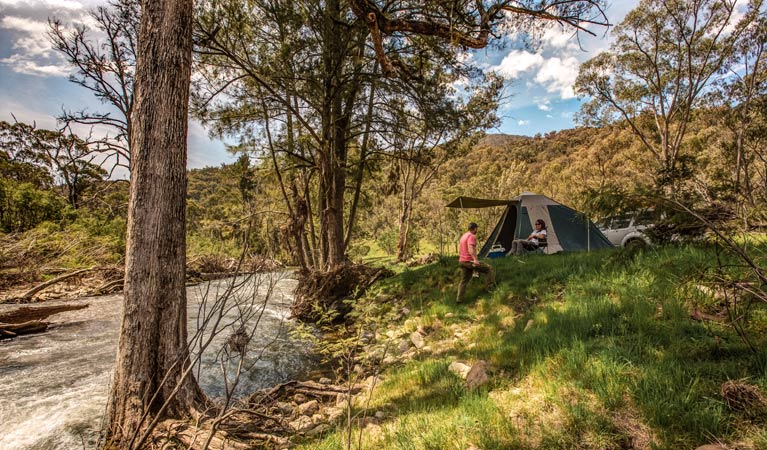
(8, 330)
(700, 316)
(28, 295)
(26, 313)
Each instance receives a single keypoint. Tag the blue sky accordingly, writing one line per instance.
(34, 85)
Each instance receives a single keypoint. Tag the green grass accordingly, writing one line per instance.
(611, 360)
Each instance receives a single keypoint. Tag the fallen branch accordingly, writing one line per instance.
(28, 295)
(26, 314)
(107, 287)
(9, 330)
(700, 316)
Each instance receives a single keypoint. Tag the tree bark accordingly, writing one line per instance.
(332, 158)
(151, 378)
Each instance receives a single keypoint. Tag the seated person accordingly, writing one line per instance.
(522, 246)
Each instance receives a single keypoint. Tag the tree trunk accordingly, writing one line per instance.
(404, 229)
(332, 157)
(151, 378)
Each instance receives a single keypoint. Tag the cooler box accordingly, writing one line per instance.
(496, 251)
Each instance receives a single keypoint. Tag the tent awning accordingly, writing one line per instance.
(471, 202)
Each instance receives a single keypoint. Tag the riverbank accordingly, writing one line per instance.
(38, 283)
(606, 350)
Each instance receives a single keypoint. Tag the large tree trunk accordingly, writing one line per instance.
(151, 377)
(332, 159)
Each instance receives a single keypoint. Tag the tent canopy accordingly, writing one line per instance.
(568, 230)
(471, 202)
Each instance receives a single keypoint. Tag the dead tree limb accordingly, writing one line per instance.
(9, 330)
(27, 314)
(30, 293)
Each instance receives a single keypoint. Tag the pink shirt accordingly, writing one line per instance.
(463, 248)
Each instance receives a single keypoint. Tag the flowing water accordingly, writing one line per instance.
(54, 385)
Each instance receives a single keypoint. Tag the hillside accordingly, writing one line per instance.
(590, 351)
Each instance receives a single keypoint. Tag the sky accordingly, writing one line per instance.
(34, 85)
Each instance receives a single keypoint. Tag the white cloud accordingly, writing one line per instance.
(543, 104)
(557, 37)
(522, 123)
(517, 62)
(26, 66)
(23, 24)
(558, 75)
(26, 25)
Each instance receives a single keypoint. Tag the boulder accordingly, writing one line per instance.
(380, 415)
(477, 376)
(417, 339)
(403, 346)
(302, 424)
(460, 369)
(318, 418)
(334, 414)
(284, 407)
(308, 408)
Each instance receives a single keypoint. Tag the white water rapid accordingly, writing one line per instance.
(53, 386)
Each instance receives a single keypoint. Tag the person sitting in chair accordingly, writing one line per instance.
(522, 246)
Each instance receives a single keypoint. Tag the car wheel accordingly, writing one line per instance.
(635, 244)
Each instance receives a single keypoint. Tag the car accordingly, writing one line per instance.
(628, 229)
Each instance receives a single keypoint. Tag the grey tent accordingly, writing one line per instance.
(567, 229)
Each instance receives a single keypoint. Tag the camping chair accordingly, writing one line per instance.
(543, 245)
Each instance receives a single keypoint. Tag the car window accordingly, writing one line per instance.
(621, 221)
(604, 223)
(645, 218)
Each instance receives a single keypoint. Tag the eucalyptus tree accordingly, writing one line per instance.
(741, 95)
(104, 62)
(664, 57)
(419, 142)
(152, 377)
(310, 78)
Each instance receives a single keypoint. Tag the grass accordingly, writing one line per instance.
(587, 351)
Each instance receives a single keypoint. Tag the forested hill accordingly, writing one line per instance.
(244, 200)
(563, 164)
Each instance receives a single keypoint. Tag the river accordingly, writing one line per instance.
(54, 385)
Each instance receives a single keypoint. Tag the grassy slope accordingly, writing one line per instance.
(611, 360)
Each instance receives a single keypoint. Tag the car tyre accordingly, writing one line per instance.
(635, 244)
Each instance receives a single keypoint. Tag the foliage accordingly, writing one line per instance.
(665, 54)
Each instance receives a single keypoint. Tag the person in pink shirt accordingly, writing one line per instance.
(467, 259)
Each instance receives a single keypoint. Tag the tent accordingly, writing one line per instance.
(567, 229)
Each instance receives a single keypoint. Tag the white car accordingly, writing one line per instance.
(628, 229)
